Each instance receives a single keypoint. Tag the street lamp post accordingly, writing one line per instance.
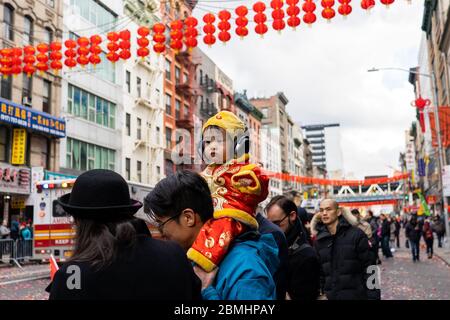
(432, 76)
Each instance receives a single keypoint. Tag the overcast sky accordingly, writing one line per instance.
(323, 72)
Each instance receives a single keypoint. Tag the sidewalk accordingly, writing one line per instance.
(13, 273)
(442, 253)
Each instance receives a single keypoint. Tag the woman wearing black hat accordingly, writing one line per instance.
(112, 259)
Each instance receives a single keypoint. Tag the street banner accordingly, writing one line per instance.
(19, 146)
(446, 181)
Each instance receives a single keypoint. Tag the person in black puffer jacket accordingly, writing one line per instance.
(343, 252)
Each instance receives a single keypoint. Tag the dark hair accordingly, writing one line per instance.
(100, 243)
(284, 203)
(355, 212)
(180, 191)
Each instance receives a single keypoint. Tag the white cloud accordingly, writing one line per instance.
(323, 72)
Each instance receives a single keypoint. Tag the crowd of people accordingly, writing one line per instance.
(218, 243)
(19, 230)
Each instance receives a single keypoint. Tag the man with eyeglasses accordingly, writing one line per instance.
(180, 205)
(303, 272)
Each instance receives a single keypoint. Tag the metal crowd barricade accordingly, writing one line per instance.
(7, 250)
(15, 251)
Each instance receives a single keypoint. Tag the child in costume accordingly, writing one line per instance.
(237, 187)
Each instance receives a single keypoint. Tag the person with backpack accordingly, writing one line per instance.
(303, 263)
(439, 228)
(429, 238)
(413, 232)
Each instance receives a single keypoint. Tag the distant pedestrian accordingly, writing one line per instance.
(429, 238)
(115, 257)
(373, 222)
(4, 231)
(24, 233)
(14, 229)
(414, 233)
(385, 236)
(439, 228)
(397, 231)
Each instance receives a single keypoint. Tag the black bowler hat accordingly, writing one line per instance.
(100, 194)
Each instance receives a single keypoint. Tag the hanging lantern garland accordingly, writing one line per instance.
(125, 45)
(278, 23)
(367, 4)
(209, 29)
(241, 21)
(56, 57)
(159, 38)
(260, 18)
(6, 62)
(224, 26)
(345, 8)
(143, 42)
(328, 12)
(176, 36)
(309, 7)
(293, 12)
(113, 47)
(83, 51)
(16, 68)
(190, 33)
(42, 57)
(95, 50)
(29, 60)
(70, 53)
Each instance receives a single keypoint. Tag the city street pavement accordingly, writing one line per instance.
(15, 286)
(402, 279)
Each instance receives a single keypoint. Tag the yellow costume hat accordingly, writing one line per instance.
(227, 121)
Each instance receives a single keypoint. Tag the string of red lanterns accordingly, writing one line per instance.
(87, 51)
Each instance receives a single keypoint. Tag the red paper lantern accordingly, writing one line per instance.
(293, 12)
(125, 44)
(345, 8)
(241, 21)
(367, 4)
(29, 59)
(83, 51)
(420, 103)
(309, 7)
(328, 12)
(190, 33)
(387, 3)
(261, 28)
(112, 47)
(209, 29)
(143, 42)
(278, 23)
(176, 35)
(17, 61)
(224, 26)
(6, 62)
(159, 38)
(42, 57)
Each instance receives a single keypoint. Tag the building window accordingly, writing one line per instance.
(139, 86)
(158, 172)
(168, 70)
(139, 129)
(177, 75)
(128, 169)
(91, 107)
(186, 78)
(128, 81)
(168, 138)
(95, 13)
(27, 87)
(177, 109)
(4, 139)
(169, 104)
(128, 124)
(158, 135)
(139, 171)
(48, 35)
(28, 31)
(85, 156)
(6, 88)
(8, 19)
(51, 3)
(47, 98)
(201, 77)
(168, 167)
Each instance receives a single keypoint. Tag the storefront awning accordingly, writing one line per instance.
(34, 120)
